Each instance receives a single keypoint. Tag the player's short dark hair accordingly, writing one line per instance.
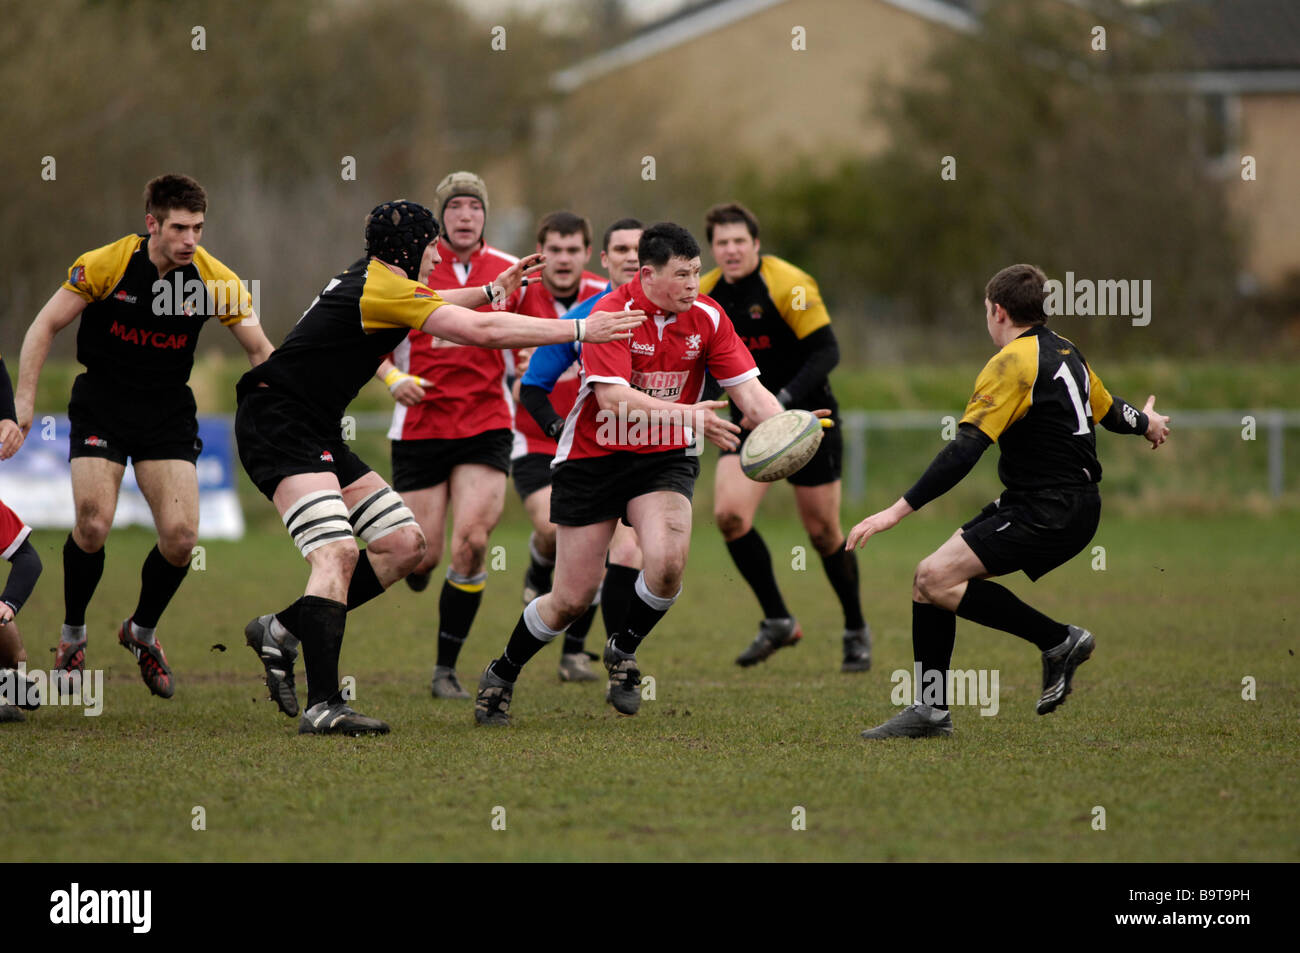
(664, 241)
(564, 223)
(168, 192)
(1021, 290)
(621, 225)
(730, 213)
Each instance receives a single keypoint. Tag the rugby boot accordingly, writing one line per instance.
(492, 705)
(773, 634)
(914, 721)
(153, 663)
(1059, 664)
(277, 658)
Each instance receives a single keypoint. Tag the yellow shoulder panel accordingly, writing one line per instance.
(795, 294)
(1098, 396)
(709, 281)
(94, 274)
(230, 299)
(390, 301)
(1004, 390)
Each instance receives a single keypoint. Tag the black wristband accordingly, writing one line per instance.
(7, 410)
(22, 577)
(1123, 417)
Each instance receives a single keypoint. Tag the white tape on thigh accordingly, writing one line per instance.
(379, 514)
(318, 519)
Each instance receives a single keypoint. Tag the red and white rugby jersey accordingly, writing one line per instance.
(468, 394)
(536, 302)
(12, 531)
(666, 358)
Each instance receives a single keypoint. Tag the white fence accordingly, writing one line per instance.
(1272, 422)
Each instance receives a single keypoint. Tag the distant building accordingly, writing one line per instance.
(726, 79)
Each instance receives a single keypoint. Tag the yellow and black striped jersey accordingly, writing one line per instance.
(138, 330)
(1038, 399)
(343, 336)
(772, 309)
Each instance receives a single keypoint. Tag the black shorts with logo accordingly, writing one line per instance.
(115, 424)
(826, 463)
(1034, 531)
(594, 489)
(277, 439)
(531, 472)
(420, 464)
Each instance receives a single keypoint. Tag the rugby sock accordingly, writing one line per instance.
(528, 638)
(842, 570)
(320, 631)
(288, 618)
(159, 581)
(751, 557)
(934, 630)
(457, 607)
(540, 567)
(998, 607)
(575, 636)
(81, 572)
(642, 615)
(365, 585)
(616, 596)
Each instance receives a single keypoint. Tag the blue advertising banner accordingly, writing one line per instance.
(37, 483)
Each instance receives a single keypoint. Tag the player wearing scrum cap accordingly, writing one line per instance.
(287, 428)
(451, 431)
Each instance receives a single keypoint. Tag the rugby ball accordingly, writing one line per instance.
(780, 446)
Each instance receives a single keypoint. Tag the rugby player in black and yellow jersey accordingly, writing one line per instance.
(288, 430)
(778, 312)
(1037, 398)
(142, 301)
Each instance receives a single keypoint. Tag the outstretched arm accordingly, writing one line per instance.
(505, 329)
(947, 469)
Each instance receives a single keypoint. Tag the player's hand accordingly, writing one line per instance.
(522, 357)
(717, 430)
(604, 326)
(510, 280)
(11, 438)
(1157, 424)
(876, 523)
(747, 423)
(407, 389)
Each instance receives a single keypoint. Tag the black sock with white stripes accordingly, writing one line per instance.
(642, 615)
(529, 637)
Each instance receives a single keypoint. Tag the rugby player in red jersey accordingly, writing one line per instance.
(625, 453)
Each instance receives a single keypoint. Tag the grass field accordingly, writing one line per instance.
(1156, 732)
